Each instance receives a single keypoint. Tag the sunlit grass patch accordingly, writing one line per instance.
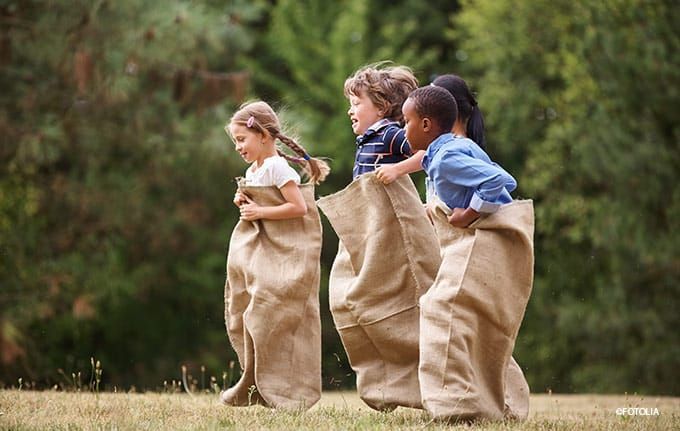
(29, 410)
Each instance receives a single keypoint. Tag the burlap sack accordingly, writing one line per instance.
(272, 306)
(472, 313)
(387, 258)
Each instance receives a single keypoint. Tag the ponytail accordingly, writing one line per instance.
(316, 169)
(468, 111)
(475, 126)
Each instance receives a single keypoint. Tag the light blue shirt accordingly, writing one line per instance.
(462, 175)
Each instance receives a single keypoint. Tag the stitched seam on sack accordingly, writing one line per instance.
(372, 322)
(404, 240)
(388, 316)
(353, 325)
(467, 265)
(451, 308)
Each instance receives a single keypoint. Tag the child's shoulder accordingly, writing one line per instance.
(449, 145)
(461, 143)
(392, 130)
(274, 171)
(277, 164)
(276, 161)
(382, 131)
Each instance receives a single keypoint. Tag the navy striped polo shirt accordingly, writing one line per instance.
(382, 143)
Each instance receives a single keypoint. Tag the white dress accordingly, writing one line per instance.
(274, 171)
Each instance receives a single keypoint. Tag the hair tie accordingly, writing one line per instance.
(306, 157)
(250, 122)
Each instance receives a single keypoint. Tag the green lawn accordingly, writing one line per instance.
(27, 410)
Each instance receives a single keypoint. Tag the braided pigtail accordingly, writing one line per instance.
(315, 169)
(261, 118)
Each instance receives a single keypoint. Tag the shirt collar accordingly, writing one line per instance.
(375, 128)
(439, 142)
(434, 147)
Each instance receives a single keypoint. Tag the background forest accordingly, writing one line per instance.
(116, 176)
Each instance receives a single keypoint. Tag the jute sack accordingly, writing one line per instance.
(387, 258)
(272, 306)
(472, 314)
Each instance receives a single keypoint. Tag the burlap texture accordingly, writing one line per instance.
(387, 258)
(471, 315)
(272, 305)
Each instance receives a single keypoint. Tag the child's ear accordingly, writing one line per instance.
(427, 124)
(266, 136)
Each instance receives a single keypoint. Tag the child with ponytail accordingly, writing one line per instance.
(273, 268)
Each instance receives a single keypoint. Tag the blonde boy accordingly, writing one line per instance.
(375, 95)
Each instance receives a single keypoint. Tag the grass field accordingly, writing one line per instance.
(27, 410)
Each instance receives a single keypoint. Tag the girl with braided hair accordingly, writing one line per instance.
(273, 268)
(255, 128)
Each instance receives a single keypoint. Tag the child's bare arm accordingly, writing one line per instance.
(389, 173)
(294, 206)
(463, 217)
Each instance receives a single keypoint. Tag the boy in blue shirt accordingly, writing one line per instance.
(375, 97)
(462, 174)
(471, 314)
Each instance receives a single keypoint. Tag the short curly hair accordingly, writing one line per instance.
(437, 104)
(387, 87)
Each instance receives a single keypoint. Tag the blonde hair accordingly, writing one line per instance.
(261, 118)
(387, 87)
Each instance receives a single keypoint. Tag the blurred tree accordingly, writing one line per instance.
(114, 194)
(581, 101)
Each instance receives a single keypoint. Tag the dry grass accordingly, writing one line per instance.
(26, 410)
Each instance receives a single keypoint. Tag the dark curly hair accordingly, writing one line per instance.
(437, 104)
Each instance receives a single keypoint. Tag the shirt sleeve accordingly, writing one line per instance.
(395, 138)
(282, 173)
(487, 180)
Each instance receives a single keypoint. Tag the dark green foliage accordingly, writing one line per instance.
(115, 206)
(581, 100)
